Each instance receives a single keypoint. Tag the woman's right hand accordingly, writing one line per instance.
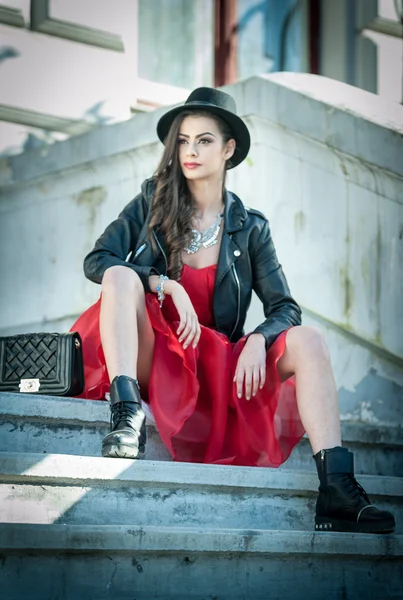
(189, 327)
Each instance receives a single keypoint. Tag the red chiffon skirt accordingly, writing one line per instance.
(191, 392)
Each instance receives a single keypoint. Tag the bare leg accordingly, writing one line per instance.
(341, 504)
(125, 326)
(307, 357)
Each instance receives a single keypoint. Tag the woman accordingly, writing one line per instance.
(177, 270)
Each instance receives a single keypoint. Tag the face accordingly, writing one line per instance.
(202, 151)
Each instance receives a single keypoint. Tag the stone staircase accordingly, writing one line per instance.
(75, 525)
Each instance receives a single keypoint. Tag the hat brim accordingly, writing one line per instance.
(238, 127)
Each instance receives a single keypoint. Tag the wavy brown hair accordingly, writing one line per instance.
(173, 204)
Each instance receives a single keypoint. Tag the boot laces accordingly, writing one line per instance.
(354, 488)
(121, 411)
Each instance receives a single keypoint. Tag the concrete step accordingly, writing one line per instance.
(52, 425)
(46, 424)
(99, 562)
(90, 490)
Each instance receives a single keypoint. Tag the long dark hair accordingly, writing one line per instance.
(173, 204)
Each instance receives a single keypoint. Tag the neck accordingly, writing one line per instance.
(208, 197)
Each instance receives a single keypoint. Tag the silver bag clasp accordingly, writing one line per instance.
(29, 385)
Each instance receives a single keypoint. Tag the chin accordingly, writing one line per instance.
(192, 175)
(197, 176)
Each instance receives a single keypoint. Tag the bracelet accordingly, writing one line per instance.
(160, 289)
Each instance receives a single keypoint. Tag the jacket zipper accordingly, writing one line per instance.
(160, 247)
(140, 249)
(239, 298)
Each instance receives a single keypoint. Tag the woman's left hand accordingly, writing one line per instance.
(251, 366)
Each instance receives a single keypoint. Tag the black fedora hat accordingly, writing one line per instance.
(219, 103)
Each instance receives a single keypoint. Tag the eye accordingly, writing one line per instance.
(181, 141)
(205, 140)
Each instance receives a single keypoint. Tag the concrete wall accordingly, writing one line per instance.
(325, 166)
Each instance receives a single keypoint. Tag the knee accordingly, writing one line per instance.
(307, 340)
(122, 279)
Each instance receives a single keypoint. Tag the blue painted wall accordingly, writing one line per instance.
(269, 36)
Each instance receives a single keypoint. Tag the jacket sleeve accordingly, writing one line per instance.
(117, 242)
(269, 283)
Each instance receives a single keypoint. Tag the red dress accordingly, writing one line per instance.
(191, 392)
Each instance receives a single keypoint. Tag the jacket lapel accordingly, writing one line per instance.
(234, 217)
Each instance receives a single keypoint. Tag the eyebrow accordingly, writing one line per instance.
(198, 136)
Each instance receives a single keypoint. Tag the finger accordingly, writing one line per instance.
(190, 335)
(262, 375)
(182, 323)
(239, 381)
(198, 334)
(187, 328)
(248, 383)
(255, 381)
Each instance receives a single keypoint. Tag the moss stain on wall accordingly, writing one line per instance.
(92, 199)
(299, 221)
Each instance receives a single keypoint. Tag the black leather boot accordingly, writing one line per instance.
(343, 504)
(127, 438)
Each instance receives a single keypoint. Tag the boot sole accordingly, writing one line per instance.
(326, 524)
(123, 451)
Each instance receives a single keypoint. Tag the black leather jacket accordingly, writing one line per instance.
(247, 261)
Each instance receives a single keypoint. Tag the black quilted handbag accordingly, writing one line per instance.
(42, 363)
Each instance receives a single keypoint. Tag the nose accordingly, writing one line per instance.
(192, 150)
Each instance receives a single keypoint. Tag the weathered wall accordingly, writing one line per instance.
(325, 166)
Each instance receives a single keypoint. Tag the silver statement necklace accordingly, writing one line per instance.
(205, 238)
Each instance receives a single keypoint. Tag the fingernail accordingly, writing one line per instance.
(248, 397)
(185, 346)
(239, 395)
